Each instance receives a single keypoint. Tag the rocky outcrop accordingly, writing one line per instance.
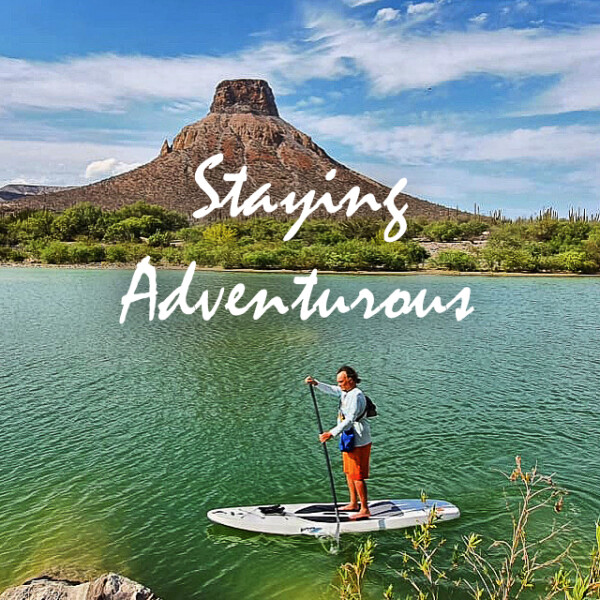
(243, 125)
(165, 148)
(106, 587)
(244, 96)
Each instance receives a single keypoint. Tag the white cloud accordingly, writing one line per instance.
(185, 107)
(386, 15)
(62, 163)
(585, 177)
(108, 82)
(479, 19)
(431, 144)
(421, 8)
(394, 60)
(579, 89)
(310, 101)
(449, 183)
(107, 167)
(354, 3)
(517, 195)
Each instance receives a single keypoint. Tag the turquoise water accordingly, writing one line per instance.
(116, 440)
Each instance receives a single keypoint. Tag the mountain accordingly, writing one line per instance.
(244, 125)
(12, 191)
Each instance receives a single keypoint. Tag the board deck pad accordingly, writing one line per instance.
(319, 519)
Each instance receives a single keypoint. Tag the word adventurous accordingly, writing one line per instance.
(399, 302)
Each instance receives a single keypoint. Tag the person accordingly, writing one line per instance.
(352, 414)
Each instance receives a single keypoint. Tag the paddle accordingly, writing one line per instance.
(324, 444)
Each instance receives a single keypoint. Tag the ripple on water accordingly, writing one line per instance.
(116, 440)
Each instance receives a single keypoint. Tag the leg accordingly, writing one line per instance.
(361, 488)
(353, 504)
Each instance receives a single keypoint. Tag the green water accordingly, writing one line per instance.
(116, 440)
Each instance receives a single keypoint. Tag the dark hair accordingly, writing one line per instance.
(350, 372)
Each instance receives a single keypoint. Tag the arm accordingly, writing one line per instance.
(332, 390)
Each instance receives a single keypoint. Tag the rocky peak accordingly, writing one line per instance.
(244, 96)
(166, 148)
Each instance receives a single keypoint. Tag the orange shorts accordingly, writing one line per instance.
(356, 462)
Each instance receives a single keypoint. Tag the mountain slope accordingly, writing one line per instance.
(244, 125)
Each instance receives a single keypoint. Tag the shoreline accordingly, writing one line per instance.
(132, 266)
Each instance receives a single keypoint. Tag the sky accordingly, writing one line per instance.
(487, 102)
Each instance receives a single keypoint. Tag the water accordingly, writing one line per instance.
(116, 440)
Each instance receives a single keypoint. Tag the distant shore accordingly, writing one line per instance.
(105, 266)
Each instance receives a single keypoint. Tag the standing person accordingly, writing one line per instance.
(352, 413)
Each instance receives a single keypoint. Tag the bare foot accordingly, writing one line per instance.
(361, 514)
(349, 507)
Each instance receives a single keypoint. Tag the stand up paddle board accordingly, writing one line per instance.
(319, 519)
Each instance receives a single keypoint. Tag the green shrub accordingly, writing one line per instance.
(261, 229)
(506, 258)
(83, 254)
(312, 257)
(469, 230)
(394, 258)
(18, 255)
(219, 233)
(442, 231)
(81, 219)
(172, 256)
(5, 253)
(542, 229)
(133, 228)
(190, 234)
(56, 253)
(228, 258)
(169, 220)
(261, 259)
(572, 260)
(161, 238)
(8, 254)
(591, 247)
(455, 260)
(360, 228)
(116, 254)
(415, 253)
(288, 254)
(202, 253)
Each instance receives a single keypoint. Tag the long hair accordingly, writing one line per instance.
(352, 374)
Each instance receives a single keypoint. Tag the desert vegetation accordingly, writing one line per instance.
(85, 234)
(538, 564)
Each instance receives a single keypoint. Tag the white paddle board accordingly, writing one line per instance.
(319, 519)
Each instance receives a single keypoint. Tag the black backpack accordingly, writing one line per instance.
(370, 410)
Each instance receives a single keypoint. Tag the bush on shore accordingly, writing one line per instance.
(544, 244)
(456, 260)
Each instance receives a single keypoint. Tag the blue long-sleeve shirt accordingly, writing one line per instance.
(353, 404)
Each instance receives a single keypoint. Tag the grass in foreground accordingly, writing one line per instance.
(522, 566)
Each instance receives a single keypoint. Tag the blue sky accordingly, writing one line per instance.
(474, 101)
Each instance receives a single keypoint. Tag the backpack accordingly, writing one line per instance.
(370, 410)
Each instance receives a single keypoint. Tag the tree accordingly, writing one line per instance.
(80, 219)
(219, 233)
(456, 260)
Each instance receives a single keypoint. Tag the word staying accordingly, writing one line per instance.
(399, 302)
(260, 200)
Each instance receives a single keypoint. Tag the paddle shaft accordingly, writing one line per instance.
(324, 444)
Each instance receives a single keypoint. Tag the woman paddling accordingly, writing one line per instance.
(352, 414)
